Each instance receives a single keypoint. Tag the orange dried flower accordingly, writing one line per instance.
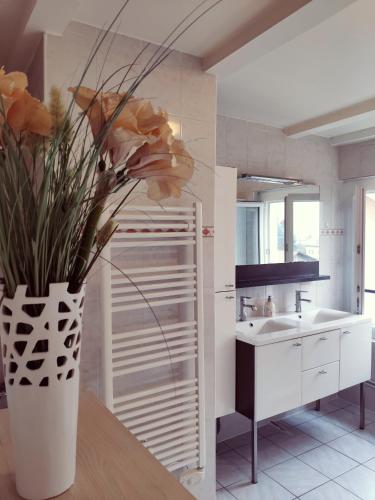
(18, 108)
(140, 138)
(28, 114)
(165, 168)
(12, 85)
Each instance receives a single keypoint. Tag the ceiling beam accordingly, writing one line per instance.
(331, 120)
(268, 32)
(354, 137)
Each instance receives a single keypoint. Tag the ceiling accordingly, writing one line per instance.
(324, 69)
(138, 20)
(306, 66)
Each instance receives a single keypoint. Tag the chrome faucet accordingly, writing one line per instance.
(299, 300)
(244, 305)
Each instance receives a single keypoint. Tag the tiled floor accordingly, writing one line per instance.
(309, 455)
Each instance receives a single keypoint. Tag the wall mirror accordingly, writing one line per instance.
(278, 221)
(278, 231)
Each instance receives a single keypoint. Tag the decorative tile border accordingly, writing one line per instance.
(208, 231)
(331, 232)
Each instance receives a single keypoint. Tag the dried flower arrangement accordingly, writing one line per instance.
(55, 186)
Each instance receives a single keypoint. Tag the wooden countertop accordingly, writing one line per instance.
(111, 463)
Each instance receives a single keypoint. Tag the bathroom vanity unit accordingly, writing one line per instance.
(291, 360)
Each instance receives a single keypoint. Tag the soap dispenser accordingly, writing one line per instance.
(269, 307)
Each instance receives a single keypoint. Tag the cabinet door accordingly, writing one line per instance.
(355, 355)
(225, 227)
(278, 378)
(225, 347)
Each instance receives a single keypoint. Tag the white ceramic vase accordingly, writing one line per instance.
(40, 340)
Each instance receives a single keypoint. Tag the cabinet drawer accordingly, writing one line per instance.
(320, 382)
(320, 349)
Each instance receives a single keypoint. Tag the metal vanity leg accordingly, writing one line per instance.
(362, 406)
(317, 405)
(254, 451)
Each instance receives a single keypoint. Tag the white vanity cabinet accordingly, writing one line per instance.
(281, 376)
(274, 376)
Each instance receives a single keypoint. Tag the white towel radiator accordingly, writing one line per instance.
(153, 331)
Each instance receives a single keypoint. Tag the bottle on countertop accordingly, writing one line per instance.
(269, 307)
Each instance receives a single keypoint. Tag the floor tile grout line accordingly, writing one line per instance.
(261, 470)
(331, 441)
(355, 435)
(350, 491)
(275, 480)
(230, 493)
(316, 487)
(348, 431)
(342, 426)
(367, 467)
(291, 426)
(322, 473)
(220, 484)
(291, 458)
(291, 492)
(331, 478)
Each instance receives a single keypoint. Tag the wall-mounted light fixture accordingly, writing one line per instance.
(176, 128)
(270, 180)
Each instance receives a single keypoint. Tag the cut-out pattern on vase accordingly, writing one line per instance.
(40, 346)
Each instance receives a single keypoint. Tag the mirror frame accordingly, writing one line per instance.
(277, 274)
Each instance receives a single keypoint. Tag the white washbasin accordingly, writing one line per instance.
(265, 325)
(321, 316)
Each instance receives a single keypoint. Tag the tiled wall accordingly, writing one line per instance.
(180, 86)
(254, 148)
(259, 149)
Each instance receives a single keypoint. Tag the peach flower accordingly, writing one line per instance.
(28, 114)
(139, 138)
(12, 86)
(136, 124)
(18, 108)
(166, 168)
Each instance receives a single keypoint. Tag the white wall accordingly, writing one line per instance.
(357, 170)
(181, 87)
(259, 149)
(357, 160)
(35, 72)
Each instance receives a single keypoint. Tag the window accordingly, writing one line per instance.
(276, 232)
(303, 228)
(249, 239)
